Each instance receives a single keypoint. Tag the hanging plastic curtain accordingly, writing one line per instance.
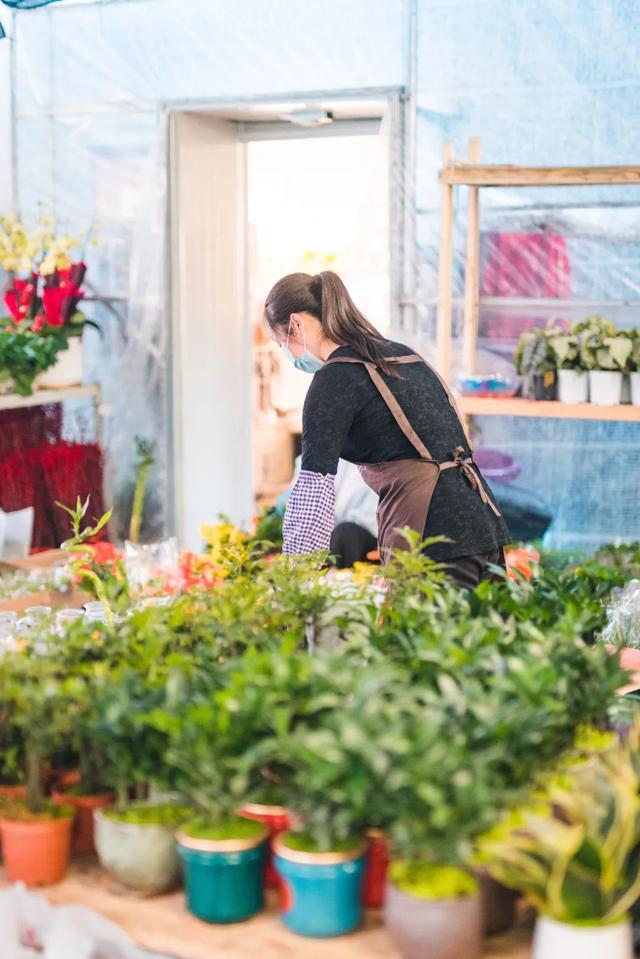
(23, 5)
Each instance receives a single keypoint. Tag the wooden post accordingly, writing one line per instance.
(472, 270)
(443, 340)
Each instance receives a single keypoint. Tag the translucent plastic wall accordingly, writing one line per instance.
(542, 82)
(539, 81)
(94, 83)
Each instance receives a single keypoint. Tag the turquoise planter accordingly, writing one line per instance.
(223, 883)
(321, 893)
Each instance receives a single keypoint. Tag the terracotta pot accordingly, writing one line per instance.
(375, 870)
(433, 928)
(277, 820)
(82, 839)
(498, 905)
(36, 853)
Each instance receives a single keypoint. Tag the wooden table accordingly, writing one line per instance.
(163, 924)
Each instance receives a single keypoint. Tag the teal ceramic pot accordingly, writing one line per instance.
(321, 893)
(224, 879)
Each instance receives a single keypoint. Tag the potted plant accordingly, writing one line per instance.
(35, 832)
(573, 378)
(135, 841)
(605, 352)
(535, 359)
(574, 850)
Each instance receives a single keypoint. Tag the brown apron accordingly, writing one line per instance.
(405, 487)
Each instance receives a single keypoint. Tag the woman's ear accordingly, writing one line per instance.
(295, 323)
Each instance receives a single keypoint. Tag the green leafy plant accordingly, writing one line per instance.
(78, 544)
(602, 345)
(574, 848)
(534, 353)
(428, 880)
(566, 348)
(24, 355)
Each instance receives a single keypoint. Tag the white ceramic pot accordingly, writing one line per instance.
(573, 386)
(635, 388)
(558, 940)
(68, 370)
(605, 387)
(625, 395)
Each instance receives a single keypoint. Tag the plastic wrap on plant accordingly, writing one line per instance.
(623, 617)
(153, 569)
(30, 927)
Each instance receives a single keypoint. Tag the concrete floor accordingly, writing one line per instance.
(162, 924)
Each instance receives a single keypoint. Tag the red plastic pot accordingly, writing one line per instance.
(16, 791)
(375, 870)
(82, 840)
(277, 819)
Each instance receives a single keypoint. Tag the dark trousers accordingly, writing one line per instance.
(350, 544)
(468, 571)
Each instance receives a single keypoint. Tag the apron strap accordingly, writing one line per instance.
(463, 462)
(394, 407)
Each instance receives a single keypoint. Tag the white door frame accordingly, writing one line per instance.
(217, 453)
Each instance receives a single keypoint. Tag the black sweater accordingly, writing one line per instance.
(345, 416)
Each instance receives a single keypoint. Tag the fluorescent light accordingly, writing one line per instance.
(308, 118)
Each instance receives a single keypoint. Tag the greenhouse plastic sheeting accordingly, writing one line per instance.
(542, 82)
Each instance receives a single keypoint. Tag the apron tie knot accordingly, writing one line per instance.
(466, 465)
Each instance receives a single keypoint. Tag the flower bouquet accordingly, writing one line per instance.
(42, 294)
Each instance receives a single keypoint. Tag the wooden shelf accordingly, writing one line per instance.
(476, 174)
(481, 406)
(11, 401)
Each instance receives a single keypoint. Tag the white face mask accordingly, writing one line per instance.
(307, 363)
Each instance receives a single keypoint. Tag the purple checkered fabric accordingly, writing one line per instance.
(310, 515)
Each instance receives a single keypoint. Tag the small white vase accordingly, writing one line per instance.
(558, 940)
(573, 386)
(605, 387)
(68, 370)
(635, 388)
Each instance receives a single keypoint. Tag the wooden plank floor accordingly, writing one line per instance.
(163, 924)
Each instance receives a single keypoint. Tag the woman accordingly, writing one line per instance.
(376, 403)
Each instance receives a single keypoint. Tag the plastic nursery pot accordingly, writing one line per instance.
(498, 905)
(36, 849)
(433, 928)
(375, 870)
(82, 833)
(543, 385)
(605, 387)
(559, 940)
(321, 892)
(277, 819)
(573, 386)
(140, 855)
(224, 878)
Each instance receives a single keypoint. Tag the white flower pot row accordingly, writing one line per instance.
(601, 387)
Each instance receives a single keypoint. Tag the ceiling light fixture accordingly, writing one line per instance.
(309, 118)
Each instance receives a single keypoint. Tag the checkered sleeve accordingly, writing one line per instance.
(309, 519)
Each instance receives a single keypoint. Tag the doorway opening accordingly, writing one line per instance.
(253, 198)
(314, 203)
